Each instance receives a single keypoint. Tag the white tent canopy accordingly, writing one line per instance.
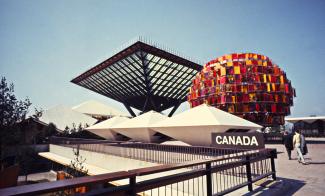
(96, 108)
(63, 116)
(195, 126)
(139, 128)
(104, 130)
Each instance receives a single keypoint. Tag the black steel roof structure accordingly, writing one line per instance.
(142, 76)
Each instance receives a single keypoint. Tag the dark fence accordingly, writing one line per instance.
(273, 138)
(157, 153)
(68, 140)
(216, 176)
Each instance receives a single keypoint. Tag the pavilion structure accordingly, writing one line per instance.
(142, 76)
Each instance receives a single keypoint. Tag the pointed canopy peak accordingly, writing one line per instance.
(93, 107)
(205, 115)
(107, 124)
(144, 120)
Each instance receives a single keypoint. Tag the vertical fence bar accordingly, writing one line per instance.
(273, 155)
(249, 173)
(132, 184)
(208, 178)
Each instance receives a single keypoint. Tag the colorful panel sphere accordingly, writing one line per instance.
(248, 85)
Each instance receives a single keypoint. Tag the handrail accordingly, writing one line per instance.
(164, 168)
(65, 184)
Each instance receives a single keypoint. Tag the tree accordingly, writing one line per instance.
(77, 165)
(12, 111)
(37, 113)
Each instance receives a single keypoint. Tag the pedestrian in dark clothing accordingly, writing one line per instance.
(287, 141)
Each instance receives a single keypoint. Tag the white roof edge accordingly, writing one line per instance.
(305, 118)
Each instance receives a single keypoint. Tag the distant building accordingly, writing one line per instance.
(63, 116)
(313, 126)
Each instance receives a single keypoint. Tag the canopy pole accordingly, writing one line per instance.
(174, 109)
(129, 109)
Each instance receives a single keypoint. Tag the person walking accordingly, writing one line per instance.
(297, 145)
(288, 143)
(303, 145)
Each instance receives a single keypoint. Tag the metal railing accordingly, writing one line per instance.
(157, 153)
(69, 140)
(216, 176)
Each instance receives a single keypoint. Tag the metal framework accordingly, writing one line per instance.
(142, 76)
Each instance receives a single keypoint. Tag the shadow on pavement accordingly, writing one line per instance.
(282, 186)
(292, 185)
(310, 141)
(314, 162)
(306, 158)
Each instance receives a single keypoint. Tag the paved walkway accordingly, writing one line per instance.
(302, 179)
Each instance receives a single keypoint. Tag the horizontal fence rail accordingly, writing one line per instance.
(157, 153)
(217, 176)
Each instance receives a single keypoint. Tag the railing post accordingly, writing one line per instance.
(249, 173)
(208, 178)
(132, 184)
(273, 156)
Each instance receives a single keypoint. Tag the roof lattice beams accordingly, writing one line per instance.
(175, 86)
(168, 80)
(119, 79)
(116, 88)
(104, 92)
(114, 83)
(182, 86)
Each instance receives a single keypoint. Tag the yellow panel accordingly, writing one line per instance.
(264, 77)
(249, 62)
(233, 98)
(222, 71)
(244, 89)
(228, 57)
(281, 80)
(237, 69)
(252, 96)
(259, 62)
(229, 63)
(268, 87)
(217, 89)
(265, 63)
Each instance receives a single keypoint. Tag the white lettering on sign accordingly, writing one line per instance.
(237, 140)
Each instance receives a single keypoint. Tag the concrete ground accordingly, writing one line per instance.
(302, 179)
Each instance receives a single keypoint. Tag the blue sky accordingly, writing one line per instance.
(44, 44)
